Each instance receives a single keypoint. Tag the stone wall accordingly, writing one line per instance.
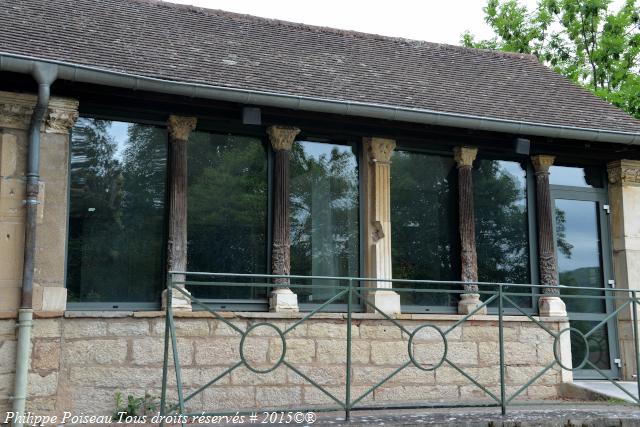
(15, 115)
(78, 364)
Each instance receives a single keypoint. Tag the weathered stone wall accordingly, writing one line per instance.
(78, 364)
(15, 116)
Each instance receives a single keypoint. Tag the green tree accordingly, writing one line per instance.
(583, 40)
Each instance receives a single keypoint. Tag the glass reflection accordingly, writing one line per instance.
(424, 224)
(598, 343)
(502, 230)
(116, 220)
(578, 251)
(227, 195)
(324, 215)
(589, 176)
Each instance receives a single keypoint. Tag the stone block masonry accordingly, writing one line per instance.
(79, 363)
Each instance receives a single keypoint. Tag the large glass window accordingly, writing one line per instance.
(424, 224)
(590, 176)
(324, 215)
(117, 212)
(227, 193)
(502, 231)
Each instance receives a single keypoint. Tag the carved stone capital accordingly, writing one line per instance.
(624, 172)
(15, 115)
(16, 110)
(180, 127)
(282, 137)
(379, 149)
(464, 156)
(62, 115)
(542, 162)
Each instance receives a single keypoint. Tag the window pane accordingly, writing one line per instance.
(324, 215)
(502, 231)
(117, 208)
(227, 195)
(424, 235)
(578, 248)
(590, 176)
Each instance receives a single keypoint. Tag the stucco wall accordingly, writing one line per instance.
(78, 364)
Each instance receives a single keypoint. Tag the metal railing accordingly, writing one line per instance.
(354, 290)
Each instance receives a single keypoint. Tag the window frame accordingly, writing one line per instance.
(428, 309)
(98, 114)
(249, 304)
(532, 229)
(356, 146)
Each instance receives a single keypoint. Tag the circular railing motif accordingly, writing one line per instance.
(410, 348)
(242, 352)
(556, 350)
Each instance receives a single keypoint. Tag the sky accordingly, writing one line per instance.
(439, 21)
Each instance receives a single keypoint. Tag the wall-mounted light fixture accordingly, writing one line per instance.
(522, 146)
(251, 116)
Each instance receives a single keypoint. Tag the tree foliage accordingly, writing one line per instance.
(583, 40)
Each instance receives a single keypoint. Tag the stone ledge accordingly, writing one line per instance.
(291, 315)
(99, 314)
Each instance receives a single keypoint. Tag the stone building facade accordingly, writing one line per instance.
(392, 179)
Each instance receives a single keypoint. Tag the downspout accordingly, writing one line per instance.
(45, 75)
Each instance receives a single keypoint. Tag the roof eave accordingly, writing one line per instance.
(88, 74)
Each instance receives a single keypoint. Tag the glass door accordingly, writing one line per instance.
(584, 260)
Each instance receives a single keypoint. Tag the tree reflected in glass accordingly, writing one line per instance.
(324, 215)
(424, 234)
(116, 222)
(227, 196)
(502, 231)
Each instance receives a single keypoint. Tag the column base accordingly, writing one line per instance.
(469, 302)
(179, 302)
(387, 302)
(550, 306)
(283, 300)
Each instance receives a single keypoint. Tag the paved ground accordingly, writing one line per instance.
(566, 415)
(608, 389)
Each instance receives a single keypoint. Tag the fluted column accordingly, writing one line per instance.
(377, 168)
(179, 129)
(282, 298)
(550, 303)
(470, 299)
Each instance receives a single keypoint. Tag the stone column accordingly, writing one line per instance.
(470, 299)
(624, 201)
(549, 304)
(179, 129)
(282, 298)
(377, 227)
(49, 293)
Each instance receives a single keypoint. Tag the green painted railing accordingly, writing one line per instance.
(356, 289)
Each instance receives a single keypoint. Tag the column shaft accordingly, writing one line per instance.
(550, 303)
(280, 255)
(470, 299)
(179, 129)
(378, 262)
(282, 298)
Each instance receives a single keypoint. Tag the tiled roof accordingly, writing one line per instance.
(188, 44)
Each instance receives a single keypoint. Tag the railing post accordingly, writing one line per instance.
(347, 406)
(501, 349)
(165, 361)
(634, 306)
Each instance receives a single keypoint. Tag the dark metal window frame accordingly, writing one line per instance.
(601, 197)
(358, 306)
(441, 150)
(99, 114)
